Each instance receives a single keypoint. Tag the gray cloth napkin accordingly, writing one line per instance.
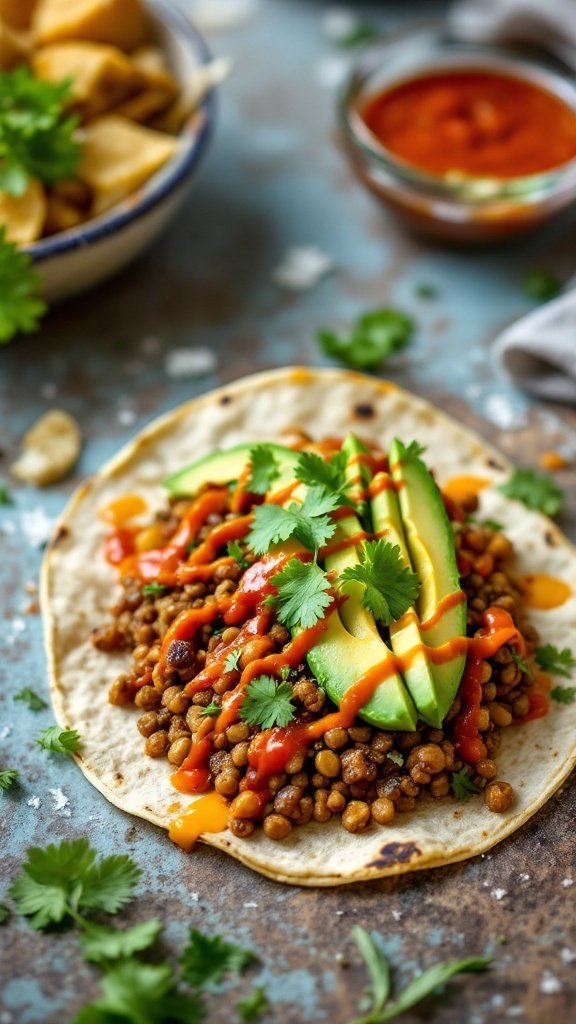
(537, 352)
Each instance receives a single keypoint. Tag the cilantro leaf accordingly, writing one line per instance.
(264, 469)
(4, 913)
(138, 993)
(234, 549)
(267, 703)
(492, 524)
(425, 290)
(563, 694)
(462, 785)
(5, 496)
(31, 699)
(541, 284)
(303, 594)
(308, 522)
(522, 664)
(271, 525)
(254, 1006)
(313, 470)
(211, 710)
(559, 663)
(154, 589)
(374, 337)
(37, 137)
(63, 880)
(100, 943)
(7, 778)
(207, 958)
(21, 307)
(535, 490)
(59, 741)
(361, 33)
(390, 588)
(232, 659)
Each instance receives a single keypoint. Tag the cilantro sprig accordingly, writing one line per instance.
(390, 587)
(308, 522)
(314, 471)
(234, 550)
(563, 694)
(207, 958)
(37, 135)
(8, 777)
(264, 469)
(137, 993)
(232, 659)
(212, 710)
(21, 307)
(59, 741)
(31, 699)
(373, 338)
(558, 662)
(267, 703)
(537, 491)
(462, 785)
(302, 594)
(154, 589)
(254, 1006)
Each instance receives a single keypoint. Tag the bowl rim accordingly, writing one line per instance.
(185, 160)
(476, 190)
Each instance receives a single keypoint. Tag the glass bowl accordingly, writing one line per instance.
(458, 208)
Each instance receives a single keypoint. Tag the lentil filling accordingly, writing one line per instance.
(195, 622)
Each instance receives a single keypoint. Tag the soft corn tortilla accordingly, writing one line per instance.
(78, 587)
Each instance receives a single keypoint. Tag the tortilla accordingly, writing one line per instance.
(79, 586)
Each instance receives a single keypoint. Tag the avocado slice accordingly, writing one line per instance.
(405, 634)
(430, 542)
(352, 645)
(225, 466)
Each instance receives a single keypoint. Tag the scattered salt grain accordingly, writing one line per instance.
(550, 984)
(5, 731)
(190, 362)
(339, 23)
(302, 267)
(498, 894)
(195, 897)
(126, 417)
(37, 526)
(568, 956)
(34, 802)
(503, 412)
(523, 877)
(397, 915)
(567, 882)
(60, 801)
(250, 905)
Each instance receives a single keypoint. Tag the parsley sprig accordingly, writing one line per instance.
(267, 703)
(21, 307)
(558, 662)
(374, 337)
(390, 587)
(535, 490)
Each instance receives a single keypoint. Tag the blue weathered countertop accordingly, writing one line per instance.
(274, 179)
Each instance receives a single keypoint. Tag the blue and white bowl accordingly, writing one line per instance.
(81, 257)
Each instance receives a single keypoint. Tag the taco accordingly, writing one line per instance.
(298, 619)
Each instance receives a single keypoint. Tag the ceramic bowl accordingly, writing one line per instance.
(79, 258)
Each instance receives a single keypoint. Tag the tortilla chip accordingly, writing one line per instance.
(103, 76)
(118, 22)
(78, 588)
(119, 156)
(23, 216)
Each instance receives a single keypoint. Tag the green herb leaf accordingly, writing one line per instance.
(541, 284)
(4, 913)
(390, 588)
(264, 469)
(211, 710)
(59, 741)
(308, 522)
(36, 134)
(359, 35)
(563, 694)
(232, 659)
(425, 290)
(271, 525)
(376, 965)
(492, 524)
(154, 589)
(21, 308)
(138, 993)
(235, 551)
(31, 698)
(208, 958)
(254, 1006)
(535, 490)
(410, 451)
(314, 471)
(427, 983)
(5, 496)
(522, 664)
(558, 663)
(7, 778)
(63, 880)
(267, 703)
(462, 785)
(100, 943)
(374, 337)
(303, 594)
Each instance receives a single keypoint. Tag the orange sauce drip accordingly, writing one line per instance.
(544, 592)
(216, 660)
(207, 814)
(382, 481)
(462, 488)
(343, 544)
(476, 123)
(122, 510)
(231, 529)
(443, 606)
(186, 625)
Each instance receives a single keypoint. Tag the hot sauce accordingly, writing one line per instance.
(473, 123)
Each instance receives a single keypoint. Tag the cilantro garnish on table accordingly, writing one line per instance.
(208, 958)
(101, 943)
(374, 337)
(309, 522)
(541, 284)
(4, 913)
(254, 1006)
(535, 490)
(390, 588)
(268, 703)
(563, 694)
(302, 594)
(7, 778)
(21, 307)
(264, 469)
(558, 662)
(462, 785)
(137, 993)
(5, 496)
(37, 135)
(59, 741)
(31, 699)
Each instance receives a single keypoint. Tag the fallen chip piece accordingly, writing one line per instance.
(49, 449)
